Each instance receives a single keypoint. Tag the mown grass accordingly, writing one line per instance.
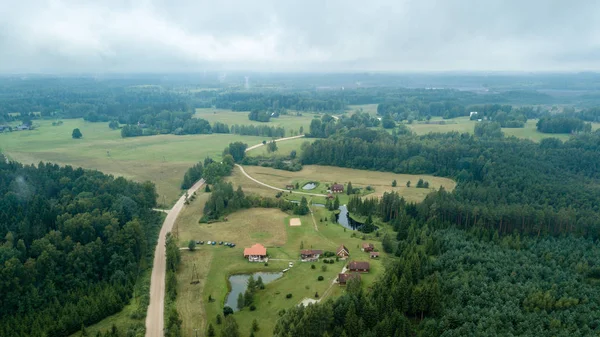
(289, 122)
(269, 227)
(162, 159)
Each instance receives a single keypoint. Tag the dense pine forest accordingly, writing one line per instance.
(73, 243)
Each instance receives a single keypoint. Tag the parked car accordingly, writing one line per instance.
(201, 242)
(220, 242)
(214, 243)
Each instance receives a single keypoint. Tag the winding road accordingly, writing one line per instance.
(155, 317)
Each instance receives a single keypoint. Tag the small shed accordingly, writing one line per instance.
(367, 247)
(289, 187)
(374, 255)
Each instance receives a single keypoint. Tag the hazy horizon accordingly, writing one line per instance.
(139, 36)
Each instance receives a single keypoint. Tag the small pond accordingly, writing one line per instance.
(309, 186)
(344, 219)
(239, 284)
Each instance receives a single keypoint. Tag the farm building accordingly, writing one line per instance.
(256, 253)
(342, 252)
(337, 188)
(310, 254)
(289, 187)
(359, 266)
(374, 255)
(344, 278)
(367, 247)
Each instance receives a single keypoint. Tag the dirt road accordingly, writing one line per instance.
(276, 140)
(155, 324)
(155, 315)
(276, 188)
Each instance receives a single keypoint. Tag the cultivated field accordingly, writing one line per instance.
(289, 122)
(269, 227)
(162, 159)
(380, 181)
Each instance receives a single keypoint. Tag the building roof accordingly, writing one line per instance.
(342, 247)
(374, 253)
(343, 278)
(256, 249)
(337, 187)
(311, 252)
(358, 265)
(367, 245)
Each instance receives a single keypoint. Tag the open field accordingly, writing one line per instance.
(283, 148)
(289, 122)
(162, 159)
(464, 124)
(269, 227)
(380, 181)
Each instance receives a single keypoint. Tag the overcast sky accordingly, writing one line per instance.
(280, 35)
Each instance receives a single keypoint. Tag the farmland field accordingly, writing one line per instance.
(162, 159)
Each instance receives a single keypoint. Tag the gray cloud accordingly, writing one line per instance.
(273, 35)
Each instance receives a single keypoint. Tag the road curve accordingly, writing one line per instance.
(277, 188)
(155, 316)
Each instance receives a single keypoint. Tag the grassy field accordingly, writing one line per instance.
(464, 124)
(289, 122)
(269, 227)
(380, 181)
(161, 159)
(283, 148)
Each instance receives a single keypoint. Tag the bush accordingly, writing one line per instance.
(320, 278)
(252, 307)
(227, 311)
(288, 296)
(324, 268)
(312, 266)
(266, 264)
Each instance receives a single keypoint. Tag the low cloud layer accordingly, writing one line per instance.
(189, 35)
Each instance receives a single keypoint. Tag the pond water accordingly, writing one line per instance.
(344, 219)
(239, 284)
(309, 186)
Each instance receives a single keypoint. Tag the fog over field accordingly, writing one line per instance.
(411, 35)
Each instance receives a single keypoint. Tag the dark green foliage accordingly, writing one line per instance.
(192, 175)
(113, 124)
(271, 146)
(288, 296)
(211, 330)
(224, 200)
(488, 130)
(394, 183)
(76, 134)
(255, 325)
(562, 124)
(237, 150)
(192, 245)
(320, 278)
(226, 312)
(213, 172)
(72, 245)
(258, 130)
(302, 208)
(259, 116)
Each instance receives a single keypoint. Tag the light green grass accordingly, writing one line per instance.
(162, 159)
(269, 227)
(283, 148)
(464, 124)
(289, 122)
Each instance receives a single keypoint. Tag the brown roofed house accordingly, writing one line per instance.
(310, 254)
(374, 255)
(289, 187)
(344, 278)
(367, 247)
(256, 253)
(337, 188)
(342, 252)
(359, 266)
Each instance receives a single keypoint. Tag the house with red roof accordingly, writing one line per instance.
(256, 253)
